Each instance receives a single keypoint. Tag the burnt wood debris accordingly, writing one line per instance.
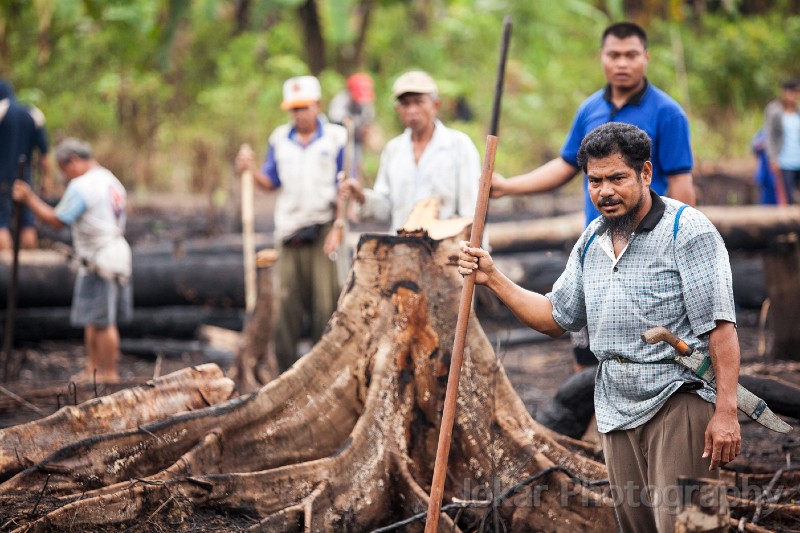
(343, 441)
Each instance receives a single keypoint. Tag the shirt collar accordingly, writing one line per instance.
(652, 218)
(636, 99)
(438, 131)
(317, 134)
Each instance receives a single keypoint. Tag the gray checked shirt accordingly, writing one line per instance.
(676, 278)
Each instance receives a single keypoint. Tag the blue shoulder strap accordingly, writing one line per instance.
(586, 247)
(677, 220)
(674, 232)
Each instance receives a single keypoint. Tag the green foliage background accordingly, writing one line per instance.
(167, 90)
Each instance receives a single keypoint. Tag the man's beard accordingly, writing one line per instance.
(623, 225)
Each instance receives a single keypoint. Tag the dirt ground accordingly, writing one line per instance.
(536, 369)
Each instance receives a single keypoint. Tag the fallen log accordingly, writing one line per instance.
(159, 279)
(572, 407)
(344, 440)
(750, 227)
(174, 322)
(208, 271)
(536, 271)
(186, 390)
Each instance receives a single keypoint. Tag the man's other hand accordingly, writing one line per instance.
(245, 159)
(21, 191)
(350, 188)
(723, 439)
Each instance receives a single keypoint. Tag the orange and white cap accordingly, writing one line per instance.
(301, 91)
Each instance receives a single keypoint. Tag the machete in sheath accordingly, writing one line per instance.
(700, 365)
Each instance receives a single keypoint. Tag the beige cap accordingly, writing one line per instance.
(415, 81)
(301, 91)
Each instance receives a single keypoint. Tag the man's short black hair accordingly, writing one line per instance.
(626, 140)
(791, 84)
(623, 30)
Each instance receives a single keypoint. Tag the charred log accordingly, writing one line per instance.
(573, 405)
(750, 227)
(572, 408)
(174, 322)
(782, 270)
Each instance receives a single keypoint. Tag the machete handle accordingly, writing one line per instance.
(660, 333)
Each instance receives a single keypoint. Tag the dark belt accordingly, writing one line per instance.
(621, 359)
(307, 236)
(687, 386)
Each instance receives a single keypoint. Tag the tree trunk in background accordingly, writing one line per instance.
(421, 12)
(44, 11)
(138, 114)
(350, 57)
(10, 17)
(782, 272)
(365, 10)
(314, 40)
(241, 16)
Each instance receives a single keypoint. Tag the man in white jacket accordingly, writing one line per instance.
(427, 161)
(93, 206)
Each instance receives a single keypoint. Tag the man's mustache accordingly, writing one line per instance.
(608, 201)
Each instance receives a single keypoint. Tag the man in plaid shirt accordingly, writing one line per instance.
(644, 262)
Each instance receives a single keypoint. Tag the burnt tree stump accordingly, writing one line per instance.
(345, 440)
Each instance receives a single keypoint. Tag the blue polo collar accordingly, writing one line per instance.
(293, 133)
(636, 99)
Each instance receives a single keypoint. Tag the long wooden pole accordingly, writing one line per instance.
(501, 76)
(248, 240)
(342, 256)
(11, 300)
(457, 357)
(465, 305)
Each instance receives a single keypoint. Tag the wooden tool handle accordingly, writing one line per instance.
(660, 333)
(248, 238)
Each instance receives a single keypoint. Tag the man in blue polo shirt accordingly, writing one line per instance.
(630, 98)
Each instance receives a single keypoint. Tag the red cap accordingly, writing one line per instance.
(361, 88)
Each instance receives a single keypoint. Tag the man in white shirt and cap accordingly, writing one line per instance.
(302, 162)
(427, 161)
(93, 206)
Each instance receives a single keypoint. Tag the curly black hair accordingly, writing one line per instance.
(632, 143)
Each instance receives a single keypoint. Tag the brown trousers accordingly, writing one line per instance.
(645, 462)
